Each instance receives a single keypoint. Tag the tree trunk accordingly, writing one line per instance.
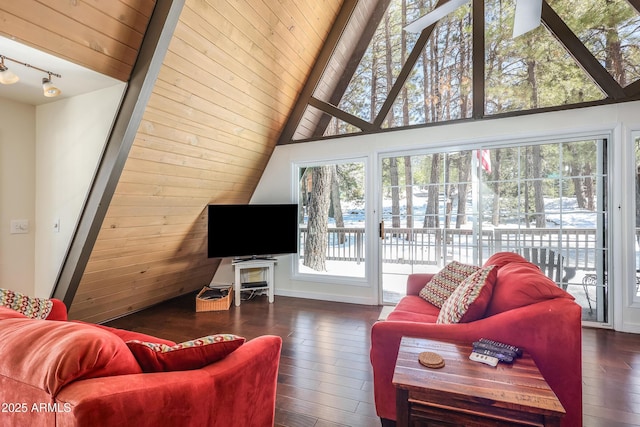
(614, 60)
(495, 165)
(408, 180)
(317, 231)
(431, 219)
(335, 202)
(395, 194)
(463, 189)
(538, 195)
(408, 175)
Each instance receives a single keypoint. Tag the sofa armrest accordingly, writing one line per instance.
(416, 281)
(541, 329)
(58, 311)
(237, 390)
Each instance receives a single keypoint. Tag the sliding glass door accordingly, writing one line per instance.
(546, 201)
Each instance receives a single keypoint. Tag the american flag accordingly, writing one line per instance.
(485, 160)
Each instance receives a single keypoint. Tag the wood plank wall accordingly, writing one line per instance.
(228, 82)
(103, 35)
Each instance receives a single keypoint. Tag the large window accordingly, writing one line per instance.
(469, 66)
(332, 220)
(546, 201)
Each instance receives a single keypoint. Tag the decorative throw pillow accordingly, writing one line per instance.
(48, 354)
(442, 285)
(520, 284)
(470, 300)
(194, 354)
(34, 308)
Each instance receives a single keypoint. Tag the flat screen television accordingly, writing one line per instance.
(252, 231)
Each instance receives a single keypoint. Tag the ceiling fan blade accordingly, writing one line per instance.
(434, 16)
(527, 17)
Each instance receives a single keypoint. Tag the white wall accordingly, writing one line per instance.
(17, 189)
(70, 137)
(614, 121)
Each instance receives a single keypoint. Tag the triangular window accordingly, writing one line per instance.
(379, 76)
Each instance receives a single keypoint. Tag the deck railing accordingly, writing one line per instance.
(434, 246)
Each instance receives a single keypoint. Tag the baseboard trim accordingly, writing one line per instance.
(326, 297)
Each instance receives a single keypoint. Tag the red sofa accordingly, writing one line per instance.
(525, 309)
(62, 373)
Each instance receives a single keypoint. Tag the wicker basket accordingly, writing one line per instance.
(214, 304)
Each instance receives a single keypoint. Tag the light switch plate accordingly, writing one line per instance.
(19, 226)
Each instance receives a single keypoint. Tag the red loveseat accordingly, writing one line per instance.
(525, 309)
(62, 373)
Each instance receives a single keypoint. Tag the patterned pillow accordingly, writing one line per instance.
(34, 308)
(194, 354)
(470, 300)
(442, 285)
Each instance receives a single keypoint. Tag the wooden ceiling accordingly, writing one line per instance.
(228, 82)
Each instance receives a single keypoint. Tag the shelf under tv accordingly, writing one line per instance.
(245, 284)
(254, 285)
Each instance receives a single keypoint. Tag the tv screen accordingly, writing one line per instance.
(252, 231)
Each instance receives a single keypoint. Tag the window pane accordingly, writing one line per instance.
(531, 71)
(332, 223)
(609, 29)
(552, 199)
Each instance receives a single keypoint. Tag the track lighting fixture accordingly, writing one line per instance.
(49, 89)
(7, 77)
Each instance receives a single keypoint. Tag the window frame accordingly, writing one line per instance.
(630, 265)
(364, 281)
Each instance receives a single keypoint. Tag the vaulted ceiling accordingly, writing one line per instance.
(229, 80)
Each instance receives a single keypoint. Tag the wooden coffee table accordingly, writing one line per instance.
(467, 393)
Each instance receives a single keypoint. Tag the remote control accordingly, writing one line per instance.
(482, 358)
(512, 348)
(485, 346)
(501, 356)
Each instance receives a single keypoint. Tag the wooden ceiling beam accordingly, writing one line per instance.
(580, 53)
(143, 77)
(633, 90)
(635, 4)
(364, 125)
(286, 137)
(354, 62)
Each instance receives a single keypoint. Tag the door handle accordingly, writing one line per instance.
(382, 230)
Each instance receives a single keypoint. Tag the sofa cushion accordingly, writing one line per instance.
(9, 313)
(412, 308)
(194, 354)
(49, 354)
(443, 283)
(35, 308)
(470, 300)
(520, 284)
(500, 259)
(126, 335)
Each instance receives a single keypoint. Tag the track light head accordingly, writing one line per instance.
(49, 89)
(7, 77)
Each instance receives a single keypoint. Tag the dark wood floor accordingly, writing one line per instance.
(325, 376)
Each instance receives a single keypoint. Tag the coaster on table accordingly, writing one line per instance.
(431, 360)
